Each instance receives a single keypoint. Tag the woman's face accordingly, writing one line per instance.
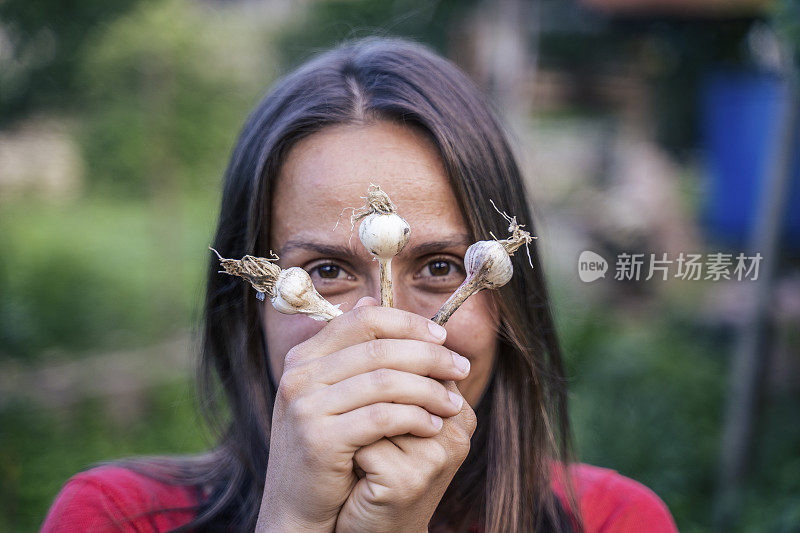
(330, 171)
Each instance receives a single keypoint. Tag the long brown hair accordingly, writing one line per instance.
(522, 418)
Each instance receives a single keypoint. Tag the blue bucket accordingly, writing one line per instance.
(741, 123)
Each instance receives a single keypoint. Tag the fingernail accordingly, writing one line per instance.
(364, 300)
(457, 400)
(437, 422)
(461, 362)
(437, 331)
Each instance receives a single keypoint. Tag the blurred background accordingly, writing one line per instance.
(644, 126)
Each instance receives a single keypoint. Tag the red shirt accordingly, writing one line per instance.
(110, 498)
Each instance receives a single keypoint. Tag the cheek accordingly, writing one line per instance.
(472, 332)
(284, 332)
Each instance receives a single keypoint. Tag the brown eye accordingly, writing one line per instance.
(439, 268)
(329, 271)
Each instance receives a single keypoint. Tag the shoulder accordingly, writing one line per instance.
(610, 502)
(112, 498)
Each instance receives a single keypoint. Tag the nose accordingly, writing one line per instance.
(405, 296)
(415, 301)
(371, 287)
(374, 286)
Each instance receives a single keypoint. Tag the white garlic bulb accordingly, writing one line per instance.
(384, 235)
(295, 293)
(491, 258)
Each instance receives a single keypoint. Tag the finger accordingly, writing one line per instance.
(380, 456)
(387, 385)
(459, 428)
(365, 323)
(418, 357)
(424, 450)
(414, 475)
(366, 301)
(452, 443)
(365, 425)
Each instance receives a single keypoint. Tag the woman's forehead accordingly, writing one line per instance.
(330, 171)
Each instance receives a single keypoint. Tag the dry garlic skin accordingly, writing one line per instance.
(295, 293)
(292, 289)
(490, 260)
(384, 235)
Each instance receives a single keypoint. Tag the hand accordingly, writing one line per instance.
(370, 373)
(406, 476)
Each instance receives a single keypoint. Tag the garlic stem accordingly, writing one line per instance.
(291, 291)
(469, 287)
(387, 295)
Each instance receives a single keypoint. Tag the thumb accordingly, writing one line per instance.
(466, 417)
(366, 301)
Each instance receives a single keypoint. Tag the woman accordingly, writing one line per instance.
(348, 426)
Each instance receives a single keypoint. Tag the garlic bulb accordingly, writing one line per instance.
(488, 266)
(291, 291)
(491, 258)
(384, 233)
(295, 293)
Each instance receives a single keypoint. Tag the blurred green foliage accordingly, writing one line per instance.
(772, 497)
(165, 89)
(40, 449)
(338, 20)
(88, 274)
(671, 55)
(646, 400)
(786, 17)
(46, 40)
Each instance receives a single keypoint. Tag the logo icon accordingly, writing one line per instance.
(591, 266)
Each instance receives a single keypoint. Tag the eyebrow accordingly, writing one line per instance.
(435, 246)
(338, 250)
